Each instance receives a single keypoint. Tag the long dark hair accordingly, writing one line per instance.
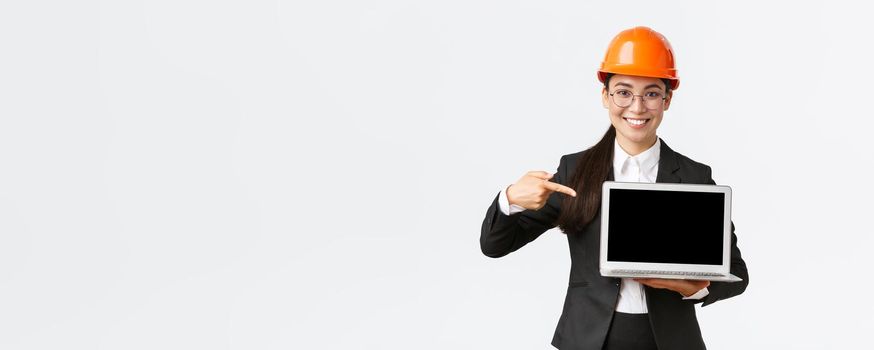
(592, 170)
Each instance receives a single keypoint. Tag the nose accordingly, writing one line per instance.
(637, 105)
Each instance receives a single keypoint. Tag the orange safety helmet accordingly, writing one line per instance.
(640, 51)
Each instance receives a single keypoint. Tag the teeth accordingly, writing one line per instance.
(637, 121)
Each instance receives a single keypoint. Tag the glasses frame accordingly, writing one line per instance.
(642, 99)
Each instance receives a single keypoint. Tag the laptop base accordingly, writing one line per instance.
(671, 275)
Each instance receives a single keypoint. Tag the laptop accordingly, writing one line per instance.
(661, 230)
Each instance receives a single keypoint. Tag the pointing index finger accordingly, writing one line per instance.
(552, 186)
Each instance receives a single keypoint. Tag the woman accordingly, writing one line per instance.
(601, 312)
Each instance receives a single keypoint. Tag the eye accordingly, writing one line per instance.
(654, 94)
(623, 93)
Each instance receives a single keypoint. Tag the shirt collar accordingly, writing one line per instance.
(647, 159)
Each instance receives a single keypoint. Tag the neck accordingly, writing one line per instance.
(635, 148)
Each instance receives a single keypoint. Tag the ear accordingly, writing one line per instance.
(668, 100)
(604, 98)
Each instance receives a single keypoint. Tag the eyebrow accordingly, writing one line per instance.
(647, 87)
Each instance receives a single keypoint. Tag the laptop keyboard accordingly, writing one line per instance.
(668, 273)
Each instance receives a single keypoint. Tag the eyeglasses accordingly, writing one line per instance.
(624, 98)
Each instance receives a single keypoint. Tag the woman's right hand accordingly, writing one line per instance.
(532, 190)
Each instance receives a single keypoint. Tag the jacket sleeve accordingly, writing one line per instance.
(725, 290)
(503, 234)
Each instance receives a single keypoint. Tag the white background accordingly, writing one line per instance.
(295, 175)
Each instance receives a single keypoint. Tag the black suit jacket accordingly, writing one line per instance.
(591, 298)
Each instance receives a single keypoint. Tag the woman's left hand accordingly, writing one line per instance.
(684, 287)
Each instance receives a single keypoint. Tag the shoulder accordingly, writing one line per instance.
(686, 167)
(566, 166)
(568, 162)
(572, 157)
(689, 163)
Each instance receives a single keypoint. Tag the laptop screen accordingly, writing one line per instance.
(665, 227)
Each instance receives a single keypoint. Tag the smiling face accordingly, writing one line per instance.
(636, 124)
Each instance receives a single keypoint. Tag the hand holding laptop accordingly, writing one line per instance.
(684, 287)
(533, 188)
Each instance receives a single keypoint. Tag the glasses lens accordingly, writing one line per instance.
(622, 98)
(653, 100)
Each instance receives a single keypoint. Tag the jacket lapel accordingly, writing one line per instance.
(668, 165)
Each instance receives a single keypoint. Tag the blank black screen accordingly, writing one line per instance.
(665, 227)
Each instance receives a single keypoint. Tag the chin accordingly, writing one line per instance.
(635, 136)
